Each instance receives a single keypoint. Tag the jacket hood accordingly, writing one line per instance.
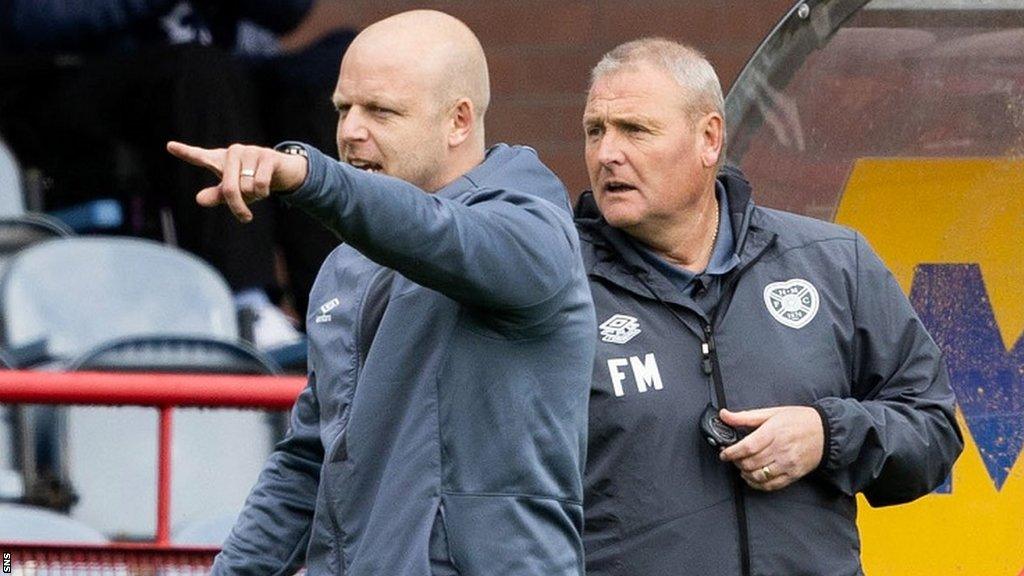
(512, 168)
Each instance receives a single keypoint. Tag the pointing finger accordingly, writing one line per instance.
(202, 157)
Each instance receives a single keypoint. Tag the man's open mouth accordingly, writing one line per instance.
(615, 186)
(366, 165)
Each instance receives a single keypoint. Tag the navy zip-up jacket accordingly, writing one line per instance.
(809, 316)
(449, 367)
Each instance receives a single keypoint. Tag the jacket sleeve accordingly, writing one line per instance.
(273, 529)
(896, 438)
(505, 250)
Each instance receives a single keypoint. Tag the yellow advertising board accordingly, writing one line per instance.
(952, 231)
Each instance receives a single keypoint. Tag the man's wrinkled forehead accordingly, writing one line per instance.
(618, 111)
(633, 94)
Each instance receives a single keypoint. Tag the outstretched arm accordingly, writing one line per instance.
(504, 250)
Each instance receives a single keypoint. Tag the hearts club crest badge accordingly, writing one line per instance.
(793, 303)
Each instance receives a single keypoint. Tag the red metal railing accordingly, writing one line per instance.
(164, 392)
(113, 559)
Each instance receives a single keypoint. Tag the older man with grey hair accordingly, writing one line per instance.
(755, 369)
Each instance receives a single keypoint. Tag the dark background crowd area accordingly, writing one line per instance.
(91, 91)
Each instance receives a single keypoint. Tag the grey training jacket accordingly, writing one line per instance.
(658, 500)
(444, 423)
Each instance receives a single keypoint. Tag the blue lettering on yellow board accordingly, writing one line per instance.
(951, 231)
(988, 381)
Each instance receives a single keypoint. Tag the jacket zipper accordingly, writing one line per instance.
(713, 370)
(710, 366)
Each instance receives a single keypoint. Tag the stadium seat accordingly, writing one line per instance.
(12, 487)
(38, 525)
(77, 293)
(124, 304)
(175, 354)
(29, 524)
(205, 532)
(20, 232)
(16, 233)
(12, 201)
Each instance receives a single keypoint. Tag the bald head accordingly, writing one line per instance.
(438, 49)
(411, 98)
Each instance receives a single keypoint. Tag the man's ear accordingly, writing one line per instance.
(712, 136)
(462, 118)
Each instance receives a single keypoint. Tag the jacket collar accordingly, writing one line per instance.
(510, 167)
(614, 257)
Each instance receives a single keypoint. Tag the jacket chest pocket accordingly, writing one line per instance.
(783, 365)
(333, 358)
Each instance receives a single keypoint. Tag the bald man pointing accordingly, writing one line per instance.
(443, 427)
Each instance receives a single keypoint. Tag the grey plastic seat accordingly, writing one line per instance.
(77, 293)
(133, 305)
(12, 199)
(21, 231)
(175, 354)
(41, 526)
(205, 532)
(12, 486)
(16, 233)
(31, 524)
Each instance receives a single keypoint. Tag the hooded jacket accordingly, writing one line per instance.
(449, 360)
(810, 316)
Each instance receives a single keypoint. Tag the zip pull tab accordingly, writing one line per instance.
(709, 338)
(705, 360)
(706, 346)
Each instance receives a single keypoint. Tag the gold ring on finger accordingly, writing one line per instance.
(247, 173)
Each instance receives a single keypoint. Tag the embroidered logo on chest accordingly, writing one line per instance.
(793, 303)
(619, 329)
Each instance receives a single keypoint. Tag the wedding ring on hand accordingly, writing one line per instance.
(766, 471)
(247, 173)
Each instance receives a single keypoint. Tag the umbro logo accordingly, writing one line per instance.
(619, 329)
(330, 305)
(327, 307)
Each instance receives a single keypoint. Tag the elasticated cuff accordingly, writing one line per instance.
(827, 428)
